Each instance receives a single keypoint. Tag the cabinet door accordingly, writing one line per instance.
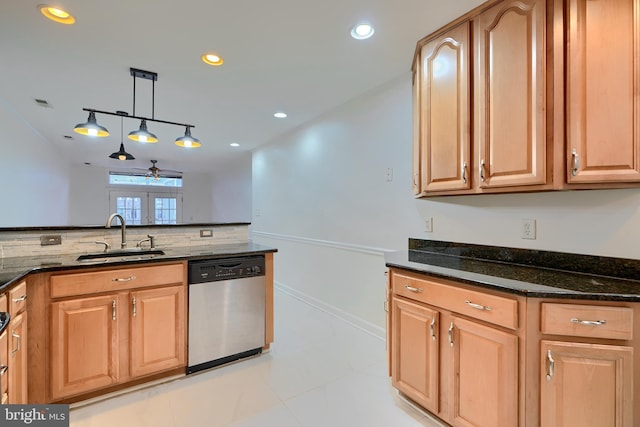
(157, 330)
(4, 356)
(84, 344)
(586, 385)
(416, 184)
(18, 359)
(415, 352)
(485, 377)
(4, 364)
(444, 112)
(510, 84)
(603, 80)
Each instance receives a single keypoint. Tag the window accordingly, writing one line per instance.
(132, 197)
(123, 178)
(130, 207)
(165, 210)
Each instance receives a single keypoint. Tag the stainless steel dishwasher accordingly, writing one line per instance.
(226, 310)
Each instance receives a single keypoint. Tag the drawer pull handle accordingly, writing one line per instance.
(3, 369)
(482, 177)
(124, 279)
(464, 172)
(113, 310)
(22, 298)
(588, 322)
(432, 328)
(551, 364)
(134, 307)
(478, 306)
(412, 289)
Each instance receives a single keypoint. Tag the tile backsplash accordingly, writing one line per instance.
(18, 243)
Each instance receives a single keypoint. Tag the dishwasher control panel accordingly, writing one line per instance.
(217, 269)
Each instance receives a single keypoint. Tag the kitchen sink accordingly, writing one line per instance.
(135, 253)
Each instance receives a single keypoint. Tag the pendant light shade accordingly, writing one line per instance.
(91, 127)
(142, 134)
(187, 140)
(121, 154)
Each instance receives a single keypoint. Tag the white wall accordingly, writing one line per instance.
(320, 195)
(35, 183)
(231, 191)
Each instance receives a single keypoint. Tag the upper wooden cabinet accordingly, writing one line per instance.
(532, 97)
(442, 134)
(603, 82)
(510, 130)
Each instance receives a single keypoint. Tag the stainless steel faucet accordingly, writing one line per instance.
(123, 227)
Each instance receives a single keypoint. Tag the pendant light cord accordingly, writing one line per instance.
(134, 95)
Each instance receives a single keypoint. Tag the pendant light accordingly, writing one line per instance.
(142, 134)
(91, 127)
(121, 154)
(187, 140)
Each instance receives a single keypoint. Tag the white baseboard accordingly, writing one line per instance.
(355, 321)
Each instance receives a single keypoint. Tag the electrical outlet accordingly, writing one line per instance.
(428, 225)
(528, 229)
(389, 175)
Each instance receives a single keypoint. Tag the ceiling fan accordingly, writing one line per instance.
(157, 173)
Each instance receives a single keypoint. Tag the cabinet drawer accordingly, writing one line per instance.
(491, 308)
(65, 285)
(592, 321)
(18, 299)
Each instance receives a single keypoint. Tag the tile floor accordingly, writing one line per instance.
(320, 372)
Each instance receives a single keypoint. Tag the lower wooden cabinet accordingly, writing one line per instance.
(500, 360)
(110, 327)
(4, 357)
(586, 385)
(157, 330)
(89, 339)
(17, 337)
(18, 360)
(485, 375)
(84, 345)
(460, 369)
(415, 352)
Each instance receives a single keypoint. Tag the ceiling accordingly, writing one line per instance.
(294, 56)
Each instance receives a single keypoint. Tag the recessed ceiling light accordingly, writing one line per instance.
(234, 144)
(212, 59)
(56, 14)
(280, 115)
(362, 31)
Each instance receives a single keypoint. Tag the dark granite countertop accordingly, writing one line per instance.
(15, 269)
(524, 272)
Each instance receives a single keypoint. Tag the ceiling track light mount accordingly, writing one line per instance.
(109, 113)
(92, 128)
